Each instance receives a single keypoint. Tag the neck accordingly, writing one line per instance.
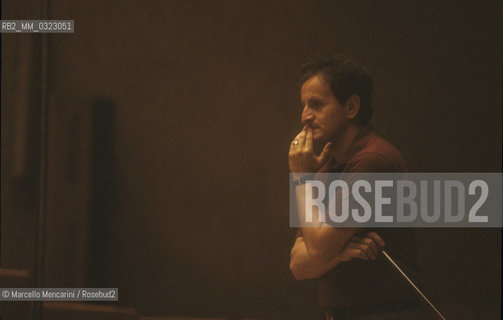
(342, 148)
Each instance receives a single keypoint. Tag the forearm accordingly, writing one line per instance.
(322, 241)
(303, 266)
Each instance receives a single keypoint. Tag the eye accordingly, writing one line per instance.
(316, 104)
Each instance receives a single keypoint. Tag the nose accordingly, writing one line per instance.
(307, 116)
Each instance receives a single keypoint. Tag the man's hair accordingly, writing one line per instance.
(346, 77)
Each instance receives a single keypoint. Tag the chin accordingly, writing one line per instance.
(319, 143)
(320, 139)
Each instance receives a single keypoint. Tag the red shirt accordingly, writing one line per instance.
(358, 282)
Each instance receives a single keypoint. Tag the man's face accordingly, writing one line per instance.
(322, 111)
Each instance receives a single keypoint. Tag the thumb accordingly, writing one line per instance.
(325, 153)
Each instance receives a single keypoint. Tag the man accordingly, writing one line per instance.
(354, 280)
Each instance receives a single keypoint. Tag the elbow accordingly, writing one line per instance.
(306, 269)
(297, 272)
(298, 266)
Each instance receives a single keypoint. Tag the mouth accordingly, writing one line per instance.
(316, 133)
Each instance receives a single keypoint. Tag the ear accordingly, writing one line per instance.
(352, 106)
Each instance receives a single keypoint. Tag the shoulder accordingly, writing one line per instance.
(378, 155)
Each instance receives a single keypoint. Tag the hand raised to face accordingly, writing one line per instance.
(301, 156)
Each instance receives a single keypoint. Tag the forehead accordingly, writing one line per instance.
(316, 86)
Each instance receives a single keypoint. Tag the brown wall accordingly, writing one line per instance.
(205, 103)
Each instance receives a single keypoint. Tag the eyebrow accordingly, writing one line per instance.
(312, 99)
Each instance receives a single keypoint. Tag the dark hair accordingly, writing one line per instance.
(346, 77)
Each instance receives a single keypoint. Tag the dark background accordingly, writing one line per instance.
(168, 132)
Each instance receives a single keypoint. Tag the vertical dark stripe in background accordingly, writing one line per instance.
(44, 127)
(101, 202)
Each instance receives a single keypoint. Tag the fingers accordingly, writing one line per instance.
(356, 250)
(366, 249)
(371, 244)
(301, 155)
(309, 139)
(357, 254)
(377, 239)
(300, 139)
(368, 246)
(325, 154)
